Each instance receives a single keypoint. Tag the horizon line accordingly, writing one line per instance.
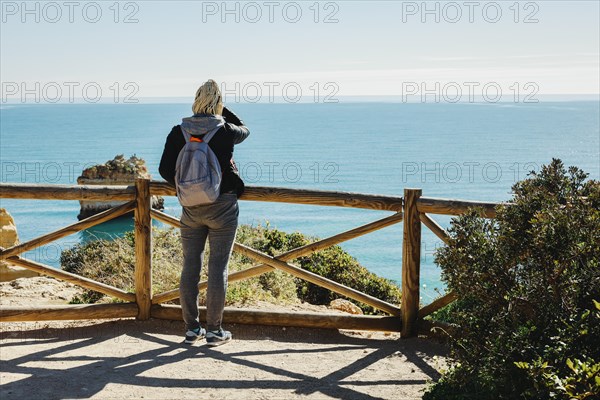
(570, 97)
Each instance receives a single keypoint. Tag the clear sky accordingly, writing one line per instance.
(167, 48)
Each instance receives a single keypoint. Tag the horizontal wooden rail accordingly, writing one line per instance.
(66, 192)
(68, 230)
(317, 279)
(289, 255)
(437, 304)
(253, 193)
(454, 207)
(306, 319)
(67, 312)
(434, 227)
(303, 196)
(73, 278)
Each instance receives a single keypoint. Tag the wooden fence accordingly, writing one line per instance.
(412, 210)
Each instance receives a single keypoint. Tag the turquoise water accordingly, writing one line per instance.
(467, 151)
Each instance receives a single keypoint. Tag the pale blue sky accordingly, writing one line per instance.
(369, 51)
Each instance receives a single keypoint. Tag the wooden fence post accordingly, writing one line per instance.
(143, 249)
(411, 263)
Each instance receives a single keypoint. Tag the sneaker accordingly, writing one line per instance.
(194, 334)
(217, 338)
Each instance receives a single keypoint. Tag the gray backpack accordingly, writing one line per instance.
(197, 172)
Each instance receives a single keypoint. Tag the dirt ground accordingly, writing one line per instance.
(129, 359)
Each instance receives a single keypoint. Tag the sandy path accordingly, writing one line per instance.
(126, 359)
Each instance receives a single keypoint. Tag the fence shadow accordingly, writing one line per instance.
(129, 358)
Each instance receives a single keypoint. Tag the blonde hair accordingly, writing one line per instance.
(208, 99)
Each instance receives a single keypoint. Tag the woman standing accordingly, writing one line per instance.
(218, 221)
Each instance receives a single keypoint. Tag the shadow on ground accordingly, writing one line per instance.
(135, 359)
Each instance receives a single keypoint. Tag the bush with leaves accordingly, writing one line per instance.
(528, 283)
(333, 263)
(113, 262)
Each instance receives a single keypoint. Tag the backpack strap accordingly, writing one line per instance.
(206, 138)
(186, 135)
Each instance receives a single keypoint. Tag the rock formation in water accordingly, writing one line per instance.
(118, 171)
(8, 238)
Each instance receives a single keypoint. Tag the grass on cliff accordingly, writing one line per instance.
(112, 262)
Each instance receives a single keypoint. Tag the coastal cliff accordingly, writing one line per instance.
(8, 238)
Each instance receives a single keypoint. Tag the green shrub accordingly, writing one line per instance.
(333, 263)
(528, 282)
(112, 262)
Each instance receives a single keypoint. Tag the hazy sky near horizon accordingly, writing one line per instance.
(347, 47)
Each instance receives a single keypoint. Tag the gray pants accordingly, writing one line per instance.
(217, 221)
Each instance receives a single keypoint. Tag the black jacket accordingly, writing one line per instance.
(233, 132)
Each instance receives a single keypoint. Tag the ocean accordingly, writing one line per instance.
(471, 151)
